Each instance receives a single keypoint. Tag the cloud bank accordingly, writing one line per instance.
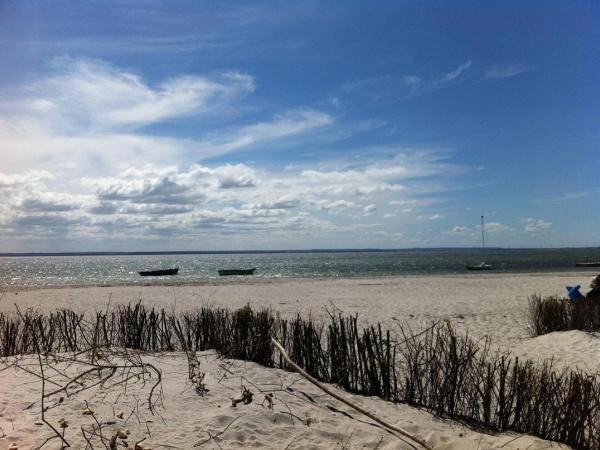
(91, 160)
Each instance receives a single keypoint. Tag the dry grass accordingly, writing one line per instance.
(449, 375)
(550, 314)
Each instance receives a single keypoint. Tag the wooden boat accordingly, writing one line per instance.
(588, 264)
(159, 273)
(480, 266)
(226, 272)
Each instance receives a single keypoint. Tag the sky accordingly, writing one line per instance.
(143, 125)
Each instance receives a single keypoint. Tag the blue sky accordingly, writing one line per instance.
(204, 125)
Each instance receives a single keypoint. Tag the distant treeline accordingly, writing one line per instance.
(450, 375)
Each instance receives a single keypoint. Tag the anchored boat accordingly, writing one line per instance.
(482, 265)
(225, 272)
(159, 273)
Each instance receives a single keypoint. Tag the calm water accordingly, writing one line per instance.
(114, 270)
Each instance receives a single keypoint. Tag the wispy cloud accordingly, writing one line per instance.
(288, 124)
(88, 115)
(388, 87)
(570, 196)
(85, 147)
(498, 72)
(566, 197)
(95, 95)
(454, 74)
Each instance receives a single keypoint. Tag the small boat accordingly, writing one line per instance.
(159, 273)
(225, 272)
(588, 264)
(480, 266)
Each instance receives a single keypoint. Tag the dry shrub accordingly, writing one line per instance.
(450, 375)
(550, 314)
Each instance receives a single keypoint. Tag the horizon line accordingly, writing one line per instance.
(314, 250)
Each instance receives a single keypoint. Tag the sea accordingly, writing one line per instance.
(27, 271)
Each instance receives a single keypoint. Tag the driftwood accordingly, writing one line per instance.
(387, 425)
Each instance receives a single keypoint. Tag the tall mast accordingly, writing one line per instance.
(482, 235)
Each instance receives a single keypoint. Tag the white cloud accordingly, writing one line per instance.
(8, 181)
(158, 201)
(535, 225)
(388, 176)
(237, 176)
(169, 185)
(96, 95)
(387, 87)
(80, 163)
(88, 116)
(154, 209)
(496, 227)
(458, 230)
(370, 209)
(402, 202)
(334, 206)
(288, 201)
(454, 74)
(430, 217)
(288, 124)
(497, 71)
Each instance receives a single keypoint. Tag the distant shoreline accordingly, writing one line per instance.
(250, 252)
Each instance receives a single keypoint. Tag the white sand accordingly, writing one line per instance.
(493, 305)
(484, 304)
(187, 419)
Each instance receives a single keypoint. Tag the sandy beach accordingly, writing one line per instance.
(299, 225)
(483, 305)
(489, 304)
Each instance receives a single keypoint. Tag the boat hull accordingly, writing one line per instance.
(158, 273)
(587, 264)
(486, 267)
(228, 272)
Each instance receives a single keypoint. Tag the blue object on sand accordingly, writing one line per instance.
(574, 294)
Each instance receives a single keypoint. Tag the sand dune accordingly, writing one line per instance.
(301, 418)
(490, 305)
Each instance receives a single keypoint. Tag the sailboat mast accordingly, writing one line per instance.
(482, 235)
